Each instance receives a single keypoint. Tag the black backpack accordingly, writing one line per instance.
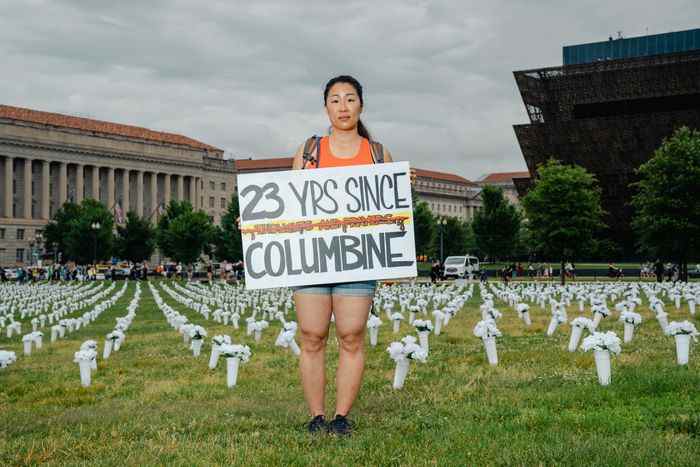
(312, 151)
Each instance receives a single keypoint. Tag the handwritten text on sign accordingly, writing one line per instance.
(324, 226)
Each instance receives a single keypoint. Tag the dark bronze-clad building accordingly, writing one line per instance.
(608, 108)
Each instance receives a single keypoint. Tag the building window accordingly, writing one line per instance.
(223, 186)
(223, 203)
(211, 201)
(20, 255)
(211, 218)
(20, 234)
(212, 186)
(2, 234)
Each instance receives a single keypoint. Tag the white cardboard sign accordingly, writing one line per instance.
(323, 226)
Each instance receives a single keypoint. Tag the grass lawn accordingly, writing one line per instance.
(152, 403)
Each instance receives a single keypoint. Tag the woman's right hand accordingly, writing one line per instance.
(238, 222)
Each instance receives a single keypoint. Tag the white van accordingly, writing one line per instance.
(461, 266)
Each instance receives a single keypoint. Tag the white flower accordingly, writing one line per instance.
(84, 356)
(407, 349)
(602, 341)
(602, 310)
(197, 332)
(582, 322)
(88, 345)
(241, 352)
(373, 321)
(676, 328)
(7, 357)
(423, 325)
(396, 316)
(522, 307)
(631, 317)
(221, 339)
(486, 328)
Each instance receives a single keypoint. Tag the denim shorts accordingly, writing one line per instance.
(357, 289)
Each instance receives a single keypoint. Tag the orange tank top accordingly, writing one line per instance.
(327, 159)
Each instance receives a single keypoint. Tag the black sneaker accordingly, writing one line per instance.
(340, 425)
(317, 425)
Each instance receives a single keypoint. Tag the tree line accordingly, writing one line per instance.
(559, 219)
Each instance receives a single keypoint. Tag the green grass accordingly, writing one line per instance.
(152, 403)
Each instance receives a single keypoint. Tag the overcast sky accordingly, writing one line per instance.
(248, 76)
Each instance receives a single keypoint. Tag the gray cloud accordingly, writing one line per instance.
(248, 76)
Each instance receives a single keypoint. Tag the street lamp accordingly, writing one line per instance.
(441, 224)
(95, 226)
(31, 248)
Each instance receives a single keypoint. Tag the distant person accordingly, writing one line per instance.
(659, 270)
(435, 271)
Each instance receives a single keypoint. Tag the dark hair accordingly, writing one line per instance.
(361, 128)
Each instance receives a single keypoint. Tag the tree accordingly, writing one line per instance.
(423, 229)
(228, 243)
(667, 201)
(82, 234)
(172, 210)
(136, 240)
(496, 225)
(563, 211)
(454, 238)
(188, 235)
(57, 230)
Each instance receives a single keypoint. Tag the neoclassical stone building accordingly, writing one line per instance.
(47, 159)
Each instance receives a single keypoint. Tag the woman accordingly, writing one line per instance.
(350, 303)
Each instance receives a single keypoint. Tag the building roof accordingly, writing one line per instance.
(503, 177)
(448, 177)
(98, 126)
(278, 163)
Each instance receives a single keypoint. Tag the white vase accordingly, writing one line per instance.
(117, 345)
(438, 326)
(526, 318)
(596, 320)
(678, 302)
(397, 323)
(373, 333)
(576, 332)
(691, 307)
(629, 332)
(491, 352)
(411, 317)
(580, 306)
(663, 322)
(27, 347)
(682, 348)
(214, 356)
(258, 335)
(423, 340)
(295, 347)
(85, 372)
(196, 347)
(400, 373)
(108, 349)
(231, 371)
(38, 342)
(553, 323)
(54, 335)
(602, 365)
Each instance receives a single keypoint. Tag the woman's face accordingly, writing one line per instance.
(343, 106)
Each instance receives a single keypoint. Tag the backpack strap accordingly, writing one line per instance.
(312, 145)
(377, 151)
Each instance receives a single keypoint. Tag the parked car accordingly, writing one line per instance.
(11, 274)
(460, 266)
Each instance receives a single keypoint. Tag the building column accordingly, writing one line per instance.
(110, 188)
(154, 192)
(62, 183)
(197, 192)
(139, 193)
(180, 188)
(45, 190)
(27, 201)
(79, 183)
(9, 167)
(125, 191)
(95, 183)
(167, 189)
(193, 193)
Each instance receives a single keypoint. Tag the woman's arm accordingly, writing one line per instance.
(298, 161)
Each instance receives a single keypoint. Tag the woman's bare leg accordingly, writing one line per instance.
(314, 316)
(351, 314)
